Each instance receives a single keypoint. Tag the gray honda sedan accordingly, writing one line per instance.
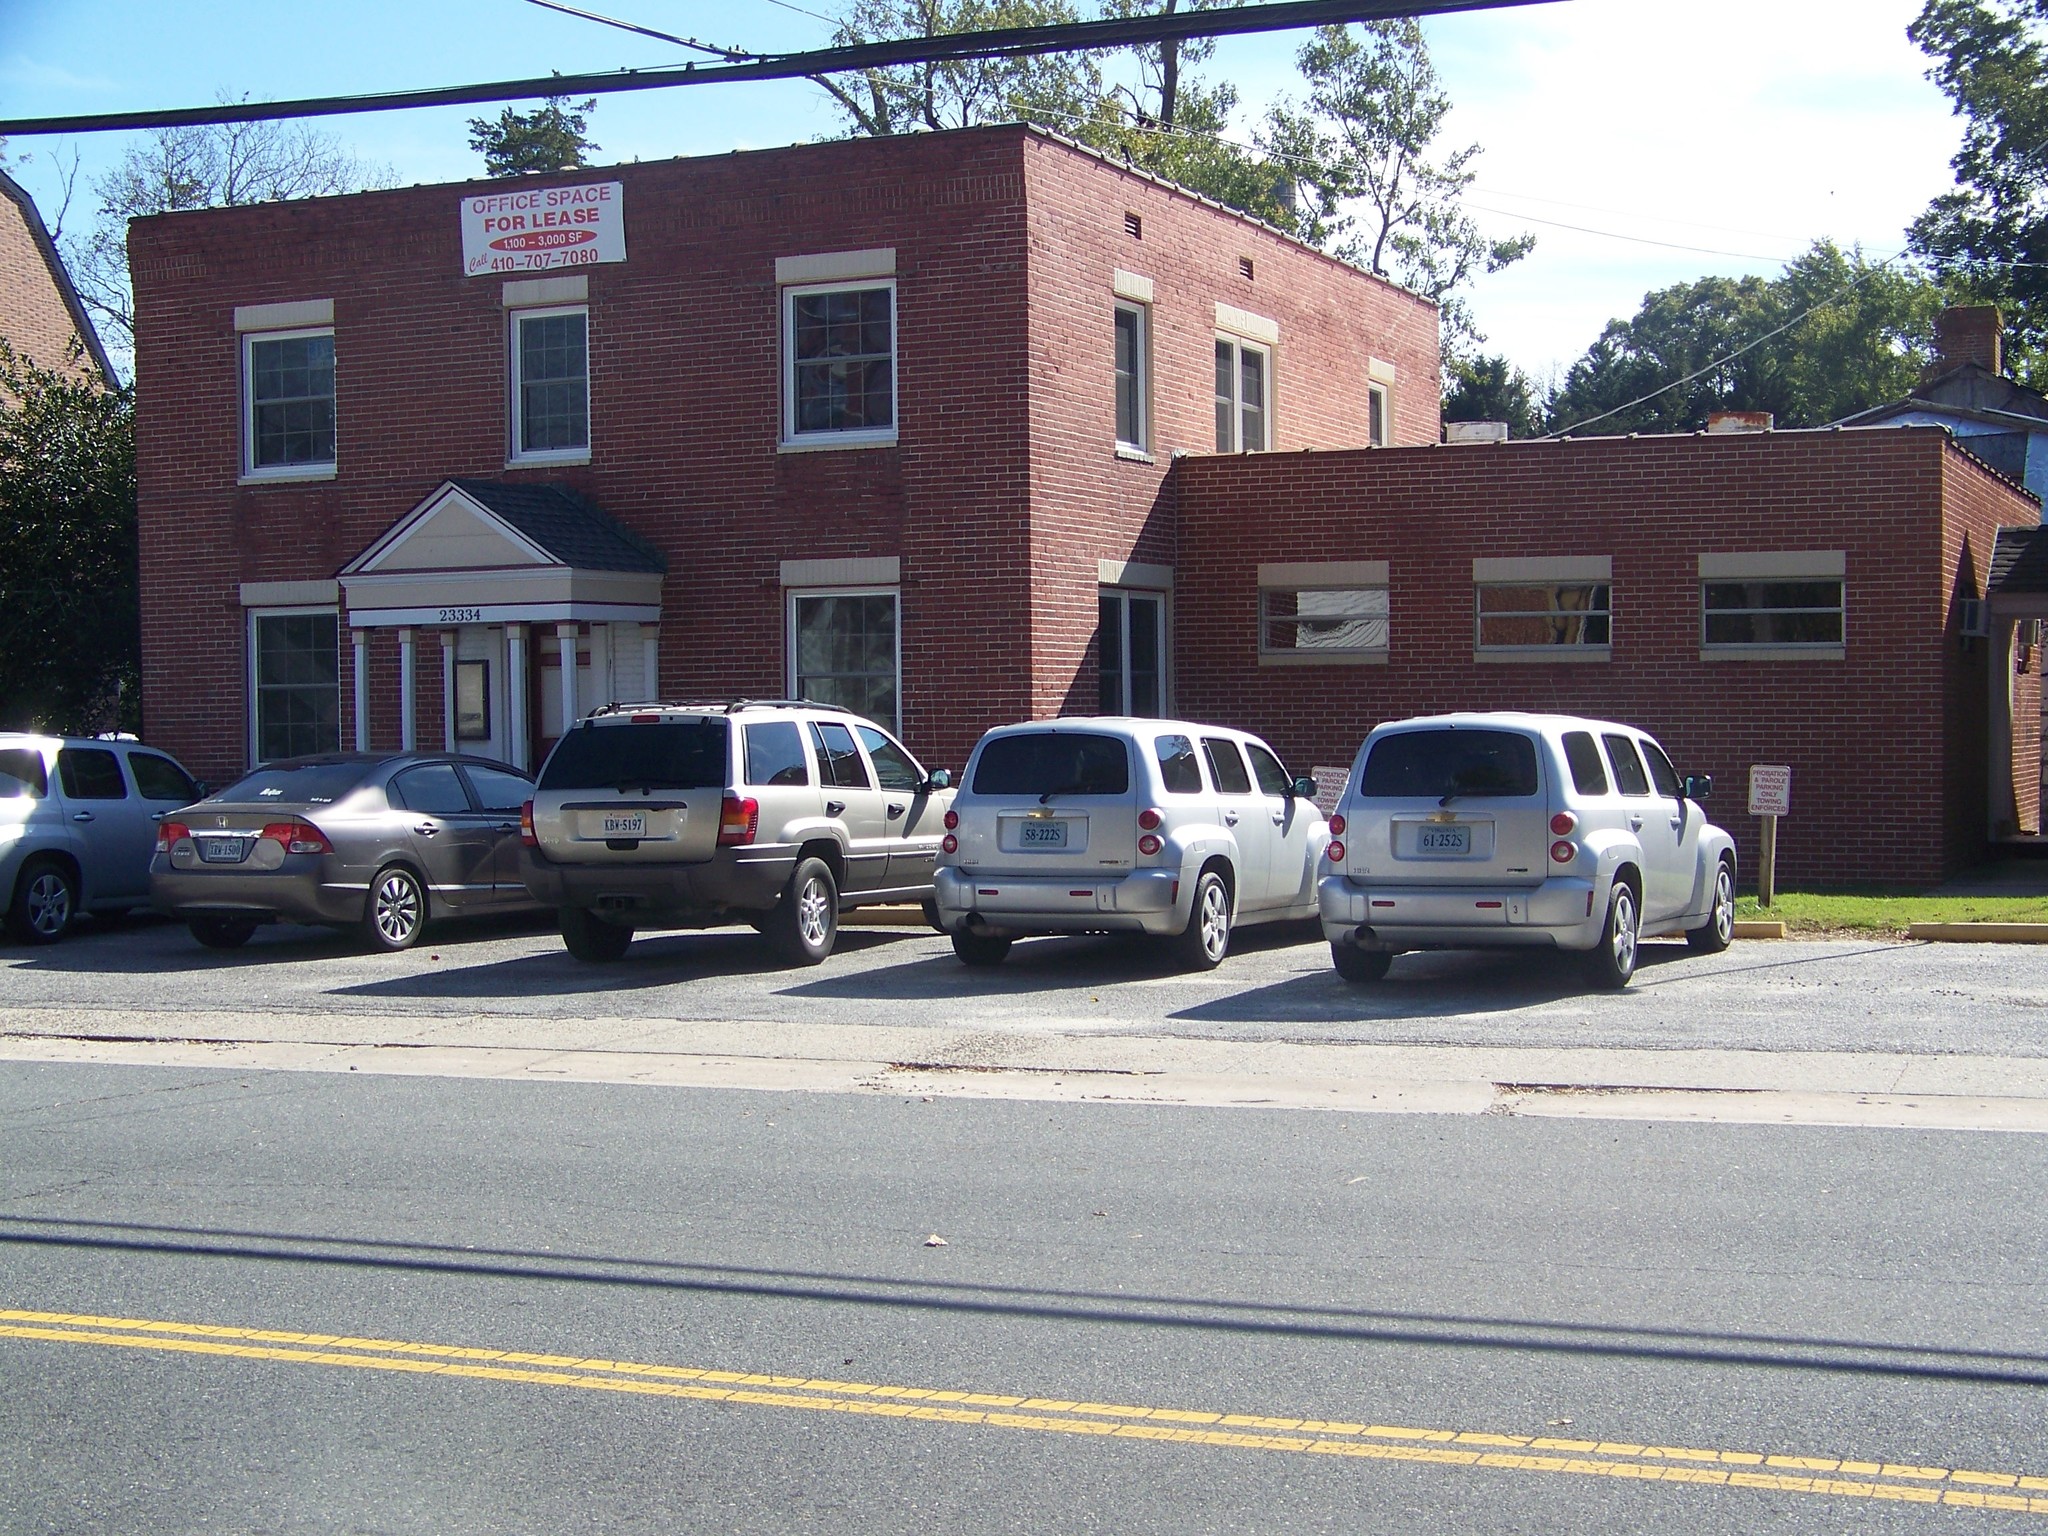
(381, 843)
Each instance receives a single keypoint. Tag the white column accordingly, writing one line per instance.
(448, 690)
(515, 696)
(408, 691)
(360, 638)
(567, 634)
(650, 678)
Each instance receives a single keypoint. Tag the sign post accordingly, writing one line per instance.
(1770, 796)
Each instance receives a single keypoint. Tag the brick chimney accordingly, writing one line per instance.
(1968, 333)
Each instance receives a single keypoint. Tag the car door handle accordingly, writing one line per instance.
(1635, 823)
(895, 810)
(1230, 818)
(81, 815)
(1279, 817)
(505, 826)
(1677, 823)
(835, 807)
(426, 829)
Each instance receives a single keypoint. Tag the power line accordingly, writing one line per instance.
(1062, 37)
(633, 26)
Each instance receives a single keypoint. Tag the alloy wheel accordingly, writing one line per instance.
(48, 900)
(398, 908)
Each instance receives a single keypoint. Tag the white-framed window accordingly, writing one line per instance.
(1379, 415)
(1777, 606)
(839, 363)
(1543, 610)
(1332, 612)
(1133, 381)
(288, 403)
(294, 682)
(550, 377)
(1131, 651)
(1244, 381)
(846, 648)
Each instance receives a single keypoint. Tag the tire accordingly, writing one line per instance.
(396, 910)
(223, 932)
(1718, 931)
(1360, 965)
(45, 902)
(805, 923)
(591, 938)
(1202, 945)
(1613, 961)
(980, 949)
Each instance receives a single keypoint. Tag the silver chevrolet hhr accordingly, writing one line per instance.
(380, 843)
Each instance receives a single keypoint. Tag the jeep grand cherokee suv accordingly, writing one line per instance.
(1530, 831)
(780, 814)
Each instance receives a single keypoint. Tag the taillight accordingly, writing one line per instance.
(949, 844)
(527, 839)
(1337, 826)
(738, 821)
(1335, 852)
(1562, 852)
(168, 832)
(1563, 824)
(952, 820)
(1149, 820)
(1150, 844)
(297, 837)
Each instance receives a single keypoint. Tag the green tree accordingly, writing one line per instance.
(1831, 335)
(549, 138)
(1363, 143)
(69, 646)
(1988, 239)
(1493, 389)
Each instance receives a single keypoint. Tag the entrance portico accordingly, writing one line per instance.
(508, 583)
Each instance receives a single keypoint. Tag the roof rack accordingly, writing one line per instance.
(713, 706)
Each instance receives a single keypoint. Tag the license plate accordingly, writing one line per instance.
(1042, 834)
(222, 850)
(1443, 840)
(634, 825)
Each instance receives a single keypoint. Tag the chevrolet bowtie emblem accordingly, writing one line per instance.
(1443, 815)
(1043, 813)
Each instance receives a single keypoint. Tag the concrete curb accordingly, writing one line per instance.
(1760, 929)
(1980, 933)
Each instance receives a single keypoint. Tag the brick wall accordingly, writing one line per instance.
(1887, 745)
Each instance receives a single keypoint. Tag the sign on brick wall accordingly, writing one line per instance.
(537, 229)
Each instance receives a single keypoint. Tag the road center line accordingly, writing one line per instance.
(1441, 1447)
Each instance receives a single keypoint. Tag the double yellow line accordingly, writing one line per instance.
(1312, 1437)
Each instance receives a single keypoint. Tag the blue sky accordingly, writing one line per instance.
(1678, 139)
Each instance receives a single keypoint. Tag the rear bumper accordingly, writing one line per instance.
(1561, 913)
(1006, 906)
(651, 895)
(296, 895)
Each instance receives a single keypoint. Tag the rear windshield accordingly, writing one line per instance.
(1053, 763)
(298, 783)
(677, 756)
(1416, 765)
(22, 773)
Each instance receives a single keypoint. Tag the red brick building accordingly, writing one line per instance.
(41, 316)
(880, 421)
(1767, 597)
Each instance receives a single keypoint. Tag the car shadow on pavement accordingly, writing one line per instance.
(164, 947)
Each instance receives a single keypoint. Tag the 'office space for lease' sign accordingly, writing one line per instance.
(536, 229)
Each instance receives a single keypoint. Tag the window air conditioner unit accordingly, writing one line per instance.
(1973, 618)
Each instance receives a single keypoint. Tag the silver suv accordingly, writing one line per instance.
(1534, 831)
(78, 823)
(1125, 825)
(777, 813)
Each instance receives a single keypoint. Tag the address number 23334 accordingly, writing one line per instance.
(459, 616)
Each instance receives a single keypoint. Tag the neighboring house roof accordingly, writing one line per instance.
(2019, 562)
(81, 321)
(565, 525)
(1970, 391)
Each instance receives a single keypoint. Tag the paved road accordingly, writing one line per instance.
(1171, 1320)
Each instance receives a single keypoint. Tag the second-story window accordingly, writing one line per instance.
(290, 393)
(839, 363)
(1130, 376)
(551, 384)
(1243, 379)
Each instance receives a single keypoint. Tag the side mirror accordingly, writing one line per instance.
(1303, 789)
(1698, 785)
(940, 779)
(201, 790)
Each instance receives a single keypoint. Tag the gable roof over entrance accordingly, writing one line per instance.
(494, 552)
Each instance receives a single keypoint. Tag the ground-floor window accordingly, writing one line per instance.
(1132, 652)
(844, 649)
(295, 675)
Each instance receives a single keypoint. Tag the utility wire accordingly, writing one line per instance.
(661, 37)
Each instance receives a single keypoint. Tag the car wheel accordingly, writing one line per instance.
(980, 949)
(45, 902)
(1202, 945)
(805, 923)
(590, 937)
(1718, 932)
(1613, 961)
(223, 932)
(396, 910)
(1355, 964)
